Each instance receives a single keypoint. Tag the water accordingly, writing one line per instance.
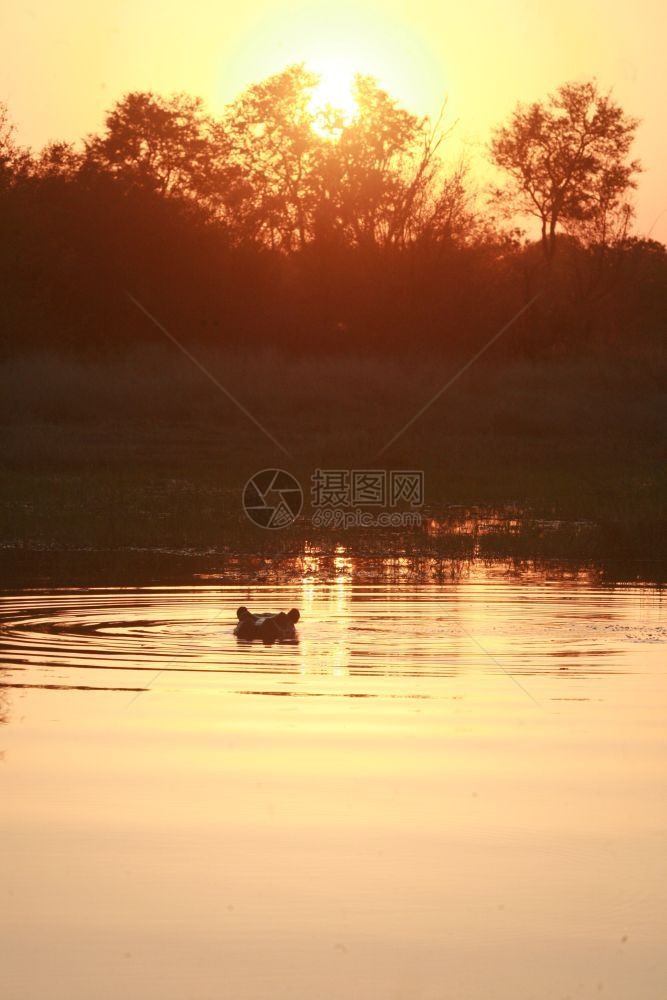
(451, 790)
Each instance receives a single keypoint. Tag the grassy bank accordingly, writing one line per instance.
(144, 451)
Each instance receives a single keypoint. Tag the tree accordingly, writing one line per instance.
(567, 159)
(14, 160)
(305, 175)
(156, 143)
(57, 160)
(381, 178)
(273, 144)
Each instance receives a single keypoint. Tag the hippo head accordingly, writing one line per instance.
(267, 627)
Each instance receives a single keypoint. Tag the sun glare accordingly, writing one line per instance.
(335, 91)
(335, 86)
(336, 41)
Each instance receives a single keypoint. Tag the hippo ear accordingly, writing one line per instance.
(243, 613)
(293, 616)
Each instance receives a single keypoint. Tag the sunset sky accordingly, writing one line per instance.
(64, 64)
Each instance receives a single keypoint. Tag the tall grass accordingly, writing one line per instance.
(148, 434)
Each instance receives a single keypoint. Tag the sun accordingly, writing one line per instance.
(335, 89)
(335, 39)
(336, 85)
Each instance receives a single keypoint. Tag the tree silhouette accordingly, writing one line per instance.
(567, 159)
(381, 181)
(305, 174)
(155, 143)
(14, 159)
(272, 144)
(310, 230)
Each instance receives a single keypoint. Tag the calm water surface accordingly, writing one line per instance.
(440, 791)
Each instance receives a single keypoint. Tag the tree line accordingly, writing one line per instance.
(291, 226)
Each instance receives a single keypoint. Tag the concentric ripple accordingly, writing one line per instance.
(120, 638)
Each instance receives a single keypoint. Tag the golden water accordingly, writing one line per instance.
(440, 791)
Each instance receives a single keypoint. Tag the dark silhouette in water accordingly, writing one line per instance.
(267, 627)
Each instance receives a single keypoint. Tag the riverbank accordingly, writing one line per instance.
(519, 459)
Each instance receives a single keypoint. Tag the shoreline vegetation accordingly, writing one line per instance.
(327, 562)
(334, 273)
(557, 459)
(274, 225)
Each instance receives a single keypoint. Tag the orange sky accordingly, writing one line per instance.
(64, 64)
